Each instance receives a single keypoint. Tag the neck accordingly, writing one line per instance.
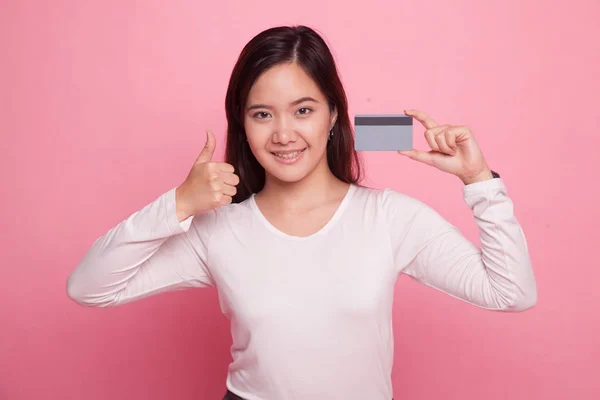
(317, 187)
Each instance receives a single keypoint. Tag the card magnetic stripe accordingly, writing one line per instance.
(382, 120)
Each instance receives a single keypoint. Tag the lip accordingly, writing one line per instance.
(288, 161)
(288, 151)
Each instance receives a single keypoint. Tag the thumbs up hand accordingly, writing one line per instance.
(208, 185)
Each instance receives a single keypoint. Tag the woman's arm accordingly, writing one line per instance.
(497, 276)
(149, 252)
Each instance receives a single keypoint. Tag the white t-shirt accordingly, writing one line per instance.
(311, 317)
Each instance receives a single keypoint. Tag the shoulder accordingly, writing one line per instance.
(406, 219)
(388, 201)
(212, 220)
(396, 210)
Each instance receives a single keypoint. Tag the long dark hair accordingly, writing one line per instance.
(302, 45)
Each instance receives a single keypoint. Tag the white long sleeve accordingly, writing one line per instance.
(497, 276)
(149, 252)
(311, 317)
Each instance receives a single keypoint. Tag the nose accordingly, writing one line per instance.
(284, 131)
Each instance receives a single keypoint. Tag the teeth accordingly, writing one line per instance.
(288, 155)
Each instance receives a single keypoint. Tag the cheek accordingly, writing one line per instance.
(315, 130)
(253, 129)
(257, 134)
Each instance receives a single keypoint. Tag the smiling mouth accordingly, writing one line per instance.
(289, 155)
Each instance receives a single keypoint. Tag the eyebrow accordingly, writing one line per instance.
(293, 103)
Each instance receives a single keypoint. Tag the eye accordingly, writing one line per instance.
(304, 111)
(261, 115)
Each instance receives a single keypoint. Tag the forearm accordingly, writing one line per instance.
(112, 262)
(504, 252)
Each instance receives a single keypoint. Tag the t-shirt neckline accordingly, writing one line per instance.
(324, 229)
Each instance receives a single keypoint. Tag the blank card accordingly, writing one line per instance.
(383, 132)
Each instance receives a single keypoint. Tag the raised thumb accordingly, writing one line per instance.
(208, 150)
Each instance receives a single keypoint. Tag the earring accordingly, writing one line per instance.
(330, 134)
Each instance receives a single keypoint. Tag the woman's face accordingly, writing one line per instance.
(287, 121)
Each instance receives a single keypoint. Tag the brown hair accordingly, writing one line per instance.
(269, 48)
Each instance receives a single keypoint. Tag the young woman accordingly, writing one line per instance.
(304, 258)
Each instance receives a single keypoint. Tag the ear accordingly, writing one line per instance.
(334, 115)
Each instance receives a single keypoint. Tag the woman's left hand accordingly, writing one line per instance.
(453, 150)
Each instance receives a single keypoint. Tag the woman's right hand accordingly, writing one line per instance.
(209, 184)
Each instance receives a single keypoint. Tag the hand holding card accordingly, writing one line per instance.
(453, 150)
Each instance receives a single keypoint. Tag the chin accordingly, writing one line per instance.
(288, 176)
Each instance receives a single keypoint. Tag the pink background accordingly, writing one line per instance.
(103, 106)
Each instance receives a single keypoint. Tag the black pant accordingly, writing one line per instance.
(233, 396)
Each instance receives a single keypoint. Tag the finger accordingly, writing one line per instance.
(423, 118)
(459, 133)
(419, 155)
(208, 150)
(230, 179)
(438, 129)
(229, 190)
(224, 167)
(451, 139)
(225, 199)
(430, 138)
(440, 139)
